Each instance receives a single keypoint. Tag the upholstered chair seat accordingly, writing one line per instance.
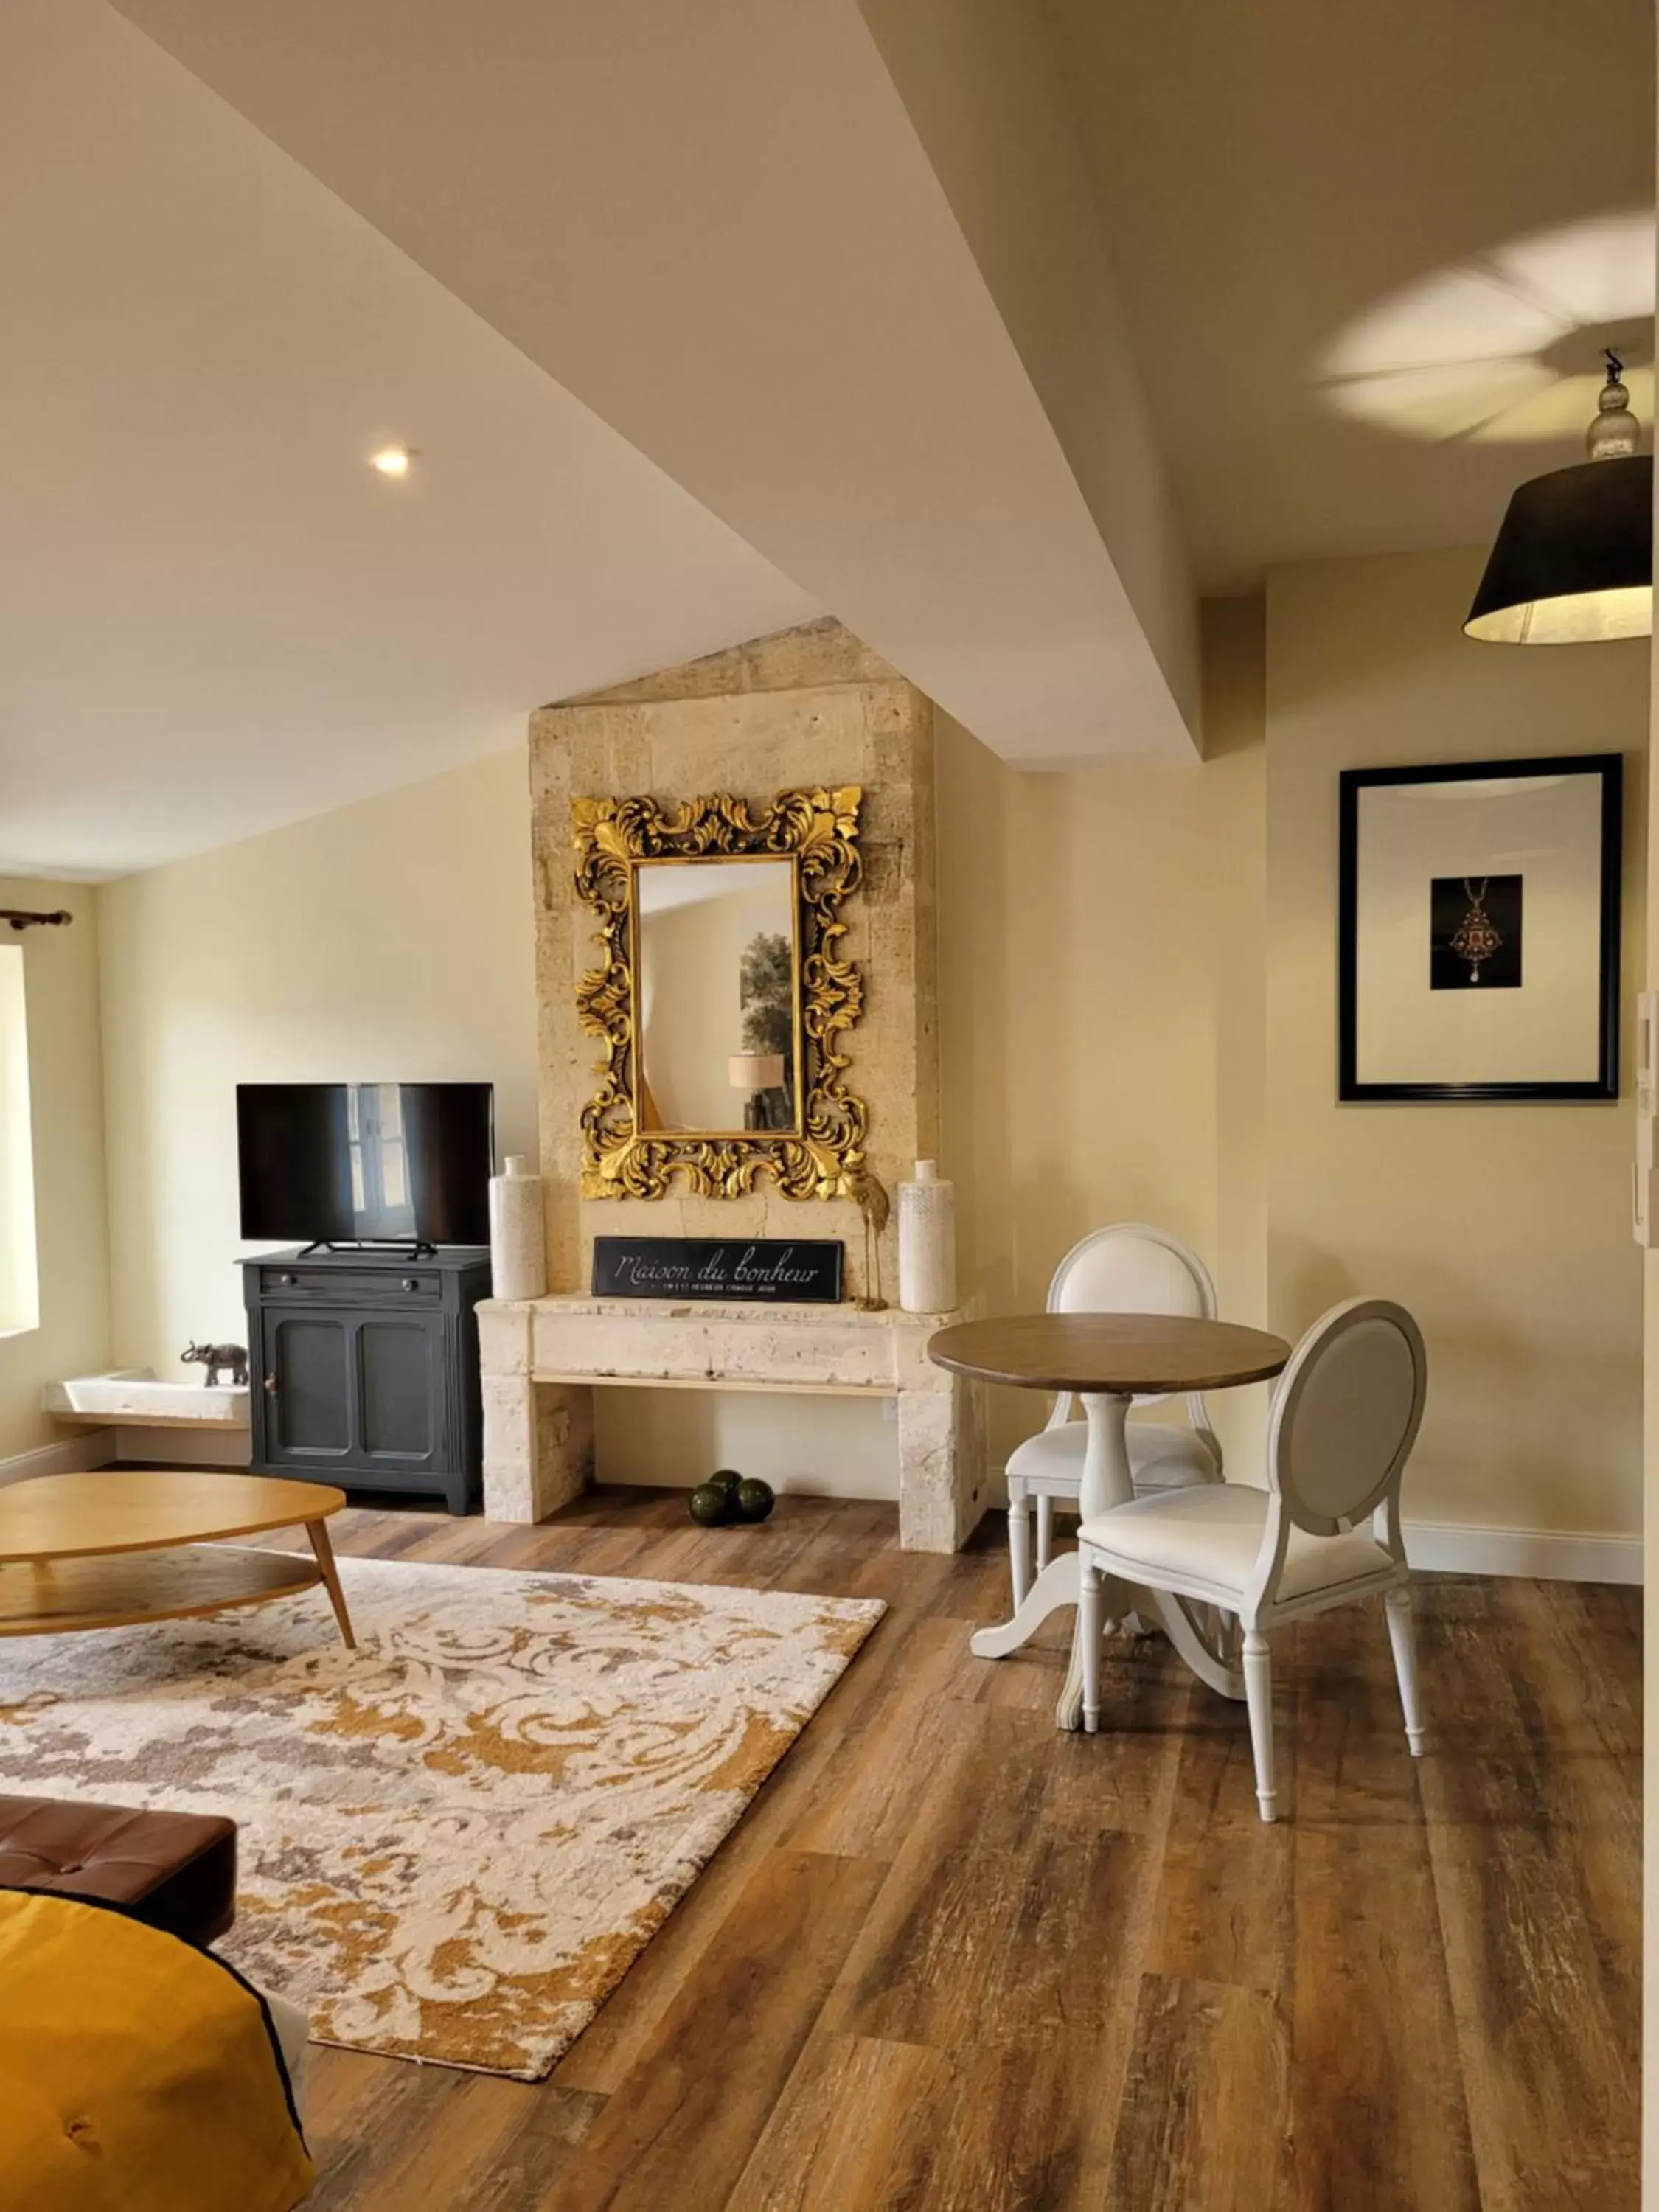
(1162, 1456)
(1205, 1543)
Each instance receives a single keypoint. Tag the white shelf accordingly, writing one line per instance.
(132, 1397)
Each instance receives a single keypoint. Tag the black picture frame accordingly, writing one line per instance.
(1609, 767)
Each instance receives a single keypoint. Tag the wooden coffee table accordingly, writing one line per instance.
(108, 1550)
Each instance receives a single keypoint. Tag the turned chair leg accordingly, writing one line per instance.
(1399, 1607)
(1090, 1628)
(1020, 1544)
(1259, 1694)
(1045, 1518)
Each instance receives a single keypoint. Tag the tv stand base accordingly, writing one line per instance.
(416, 1249)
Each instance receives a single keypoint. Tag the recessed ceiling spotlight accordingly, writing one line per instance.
(392, 461)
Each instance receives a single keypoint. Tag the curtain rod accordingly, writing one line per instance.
(20, 918)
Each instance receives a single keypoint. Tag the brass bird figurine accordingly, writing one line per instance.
(868, 1193)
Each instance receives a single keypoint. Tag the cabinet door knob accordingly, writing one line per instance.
(288, 1279)
(270, 1384)
(411, 1282)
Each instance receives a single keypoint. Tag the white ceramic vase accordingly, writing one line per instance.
(928, 1242)
(517, 1242)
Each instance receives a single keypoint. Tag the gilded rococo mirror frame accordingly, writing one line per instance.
(823, 1157)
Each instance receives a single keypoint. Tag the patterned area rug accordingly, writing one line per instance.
(456, 1839)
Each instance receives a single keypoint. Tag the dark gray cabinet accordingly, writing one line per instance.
(364, 1369)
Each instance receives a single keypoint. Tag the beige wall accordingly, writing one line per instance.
(1137, 1003)
(389, 940)
(1100, 957)
(1139, 993)
(19, 1287)
(1505, 1228)
(66, 1118)
(1093, 927)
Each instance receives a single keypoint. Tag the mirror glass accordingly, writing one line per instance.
(716, 994)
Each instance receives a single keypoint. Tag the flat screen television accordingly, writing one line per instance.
(366, 1163)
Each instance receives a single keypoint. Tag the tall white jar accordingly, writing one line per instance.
(517, 1239)
(928, 1242)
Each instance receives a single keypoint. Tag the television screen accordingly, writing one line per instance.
(366, 1163)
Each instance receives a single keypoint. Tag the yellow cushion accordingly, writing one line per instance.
(137, 2073)
(1213, 1534)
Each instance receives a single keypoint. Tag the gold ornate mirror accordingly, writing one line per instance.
(721, 999)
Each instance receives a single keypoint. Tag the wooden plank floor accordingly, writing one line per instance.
(953, 1962)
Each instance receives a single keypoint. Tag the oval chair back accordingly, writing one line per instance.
(1345, 1417)
(1131, 1267)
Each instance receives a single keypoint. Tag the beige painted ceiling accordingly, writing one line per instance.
(988, 329)
(718, 226)
(1331, 228)
(613, 274)
(214, 615)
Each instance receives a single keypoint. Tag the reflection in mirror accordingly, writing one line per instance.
(716, 979)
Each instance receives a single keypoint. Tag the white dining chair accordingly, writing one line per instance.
(1345, 1417)
(1128, 1268)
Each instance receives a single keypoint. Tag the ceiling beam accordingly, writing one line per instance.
(983, 85)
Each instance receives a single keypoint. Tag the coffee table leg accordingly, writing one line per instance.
(318, 1532)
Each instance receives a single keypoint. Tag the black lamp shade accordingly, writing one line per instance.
(1573, 561)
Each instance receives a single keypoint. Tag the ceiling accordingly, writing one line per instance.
(719, 227)
(996, 338)
(1298, 199)
(215, 616)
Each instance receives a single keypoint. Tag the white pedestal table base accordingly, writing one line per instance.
(1106, 1482)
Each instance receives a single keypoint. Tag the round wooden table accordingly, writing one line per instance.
(1108, 1360)
(105, 1549)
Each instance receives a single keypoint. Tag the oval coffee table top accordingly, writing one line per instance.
(1116, 1355)
(67, 1516)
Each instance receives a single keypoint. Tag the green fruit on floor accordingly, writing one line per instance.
(754, 1499)
(712, 1504)
(724, 1478)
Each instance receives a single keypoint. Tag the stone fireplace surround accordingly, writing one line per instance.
(544, 1359)
(806, 706)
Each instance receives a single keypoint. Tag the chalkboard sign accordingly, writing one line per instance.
(762, 1270)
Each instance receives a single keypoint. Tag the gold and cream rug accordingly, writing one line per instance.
(456, 1839)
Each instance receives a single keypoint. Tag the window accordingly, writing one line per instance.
(19, 1296)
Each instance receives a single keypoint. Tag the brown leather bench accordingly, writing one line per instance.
(175, 1870)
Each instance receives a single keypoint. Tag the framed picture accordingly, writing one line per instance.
(1478, 948)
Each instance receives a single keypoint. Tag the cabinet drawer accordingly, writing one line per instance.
(390, 1286)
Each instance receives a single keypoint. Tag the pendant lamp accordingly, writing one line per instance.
(1573, 561)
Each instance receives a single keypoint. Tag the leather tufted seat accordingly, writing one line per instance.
(174, 1870)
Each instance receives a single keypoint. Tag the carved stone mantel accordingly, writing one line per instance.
(543, 1359)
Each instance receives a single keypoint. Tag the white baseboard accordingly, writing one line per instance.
(96, 1448)
(1444, 1547)
(1438, 1547)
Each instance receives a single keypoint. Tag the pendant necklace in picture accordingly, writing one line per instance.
(1476, 939)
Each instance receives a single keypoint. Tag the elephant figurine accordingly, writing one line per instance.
(213, 1357)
